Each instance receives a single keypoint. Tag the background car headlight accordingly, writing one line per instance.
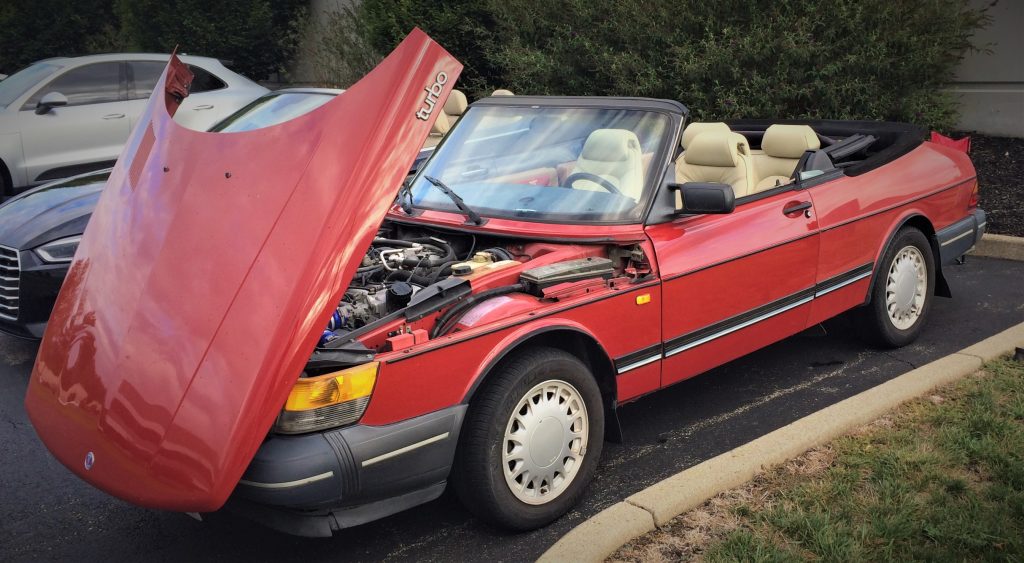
(60, 250)
(328, 401)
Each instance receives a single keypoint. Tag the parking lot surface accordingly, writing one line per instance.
(48, 514)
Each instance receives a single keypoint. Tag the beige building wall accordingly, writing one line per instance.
(991, 85)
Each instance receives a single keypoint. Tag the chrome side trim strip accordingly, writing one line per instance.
(638, 364)
(400, 451)
(958, 237)
(288, 484)
(843, 284)
(733, 329)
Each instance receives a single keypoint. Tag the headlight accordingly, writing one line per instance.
(60, 250)
(328, 401)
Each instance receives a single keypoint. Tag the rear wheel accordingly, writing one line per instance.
(901, 295)
(531, 440)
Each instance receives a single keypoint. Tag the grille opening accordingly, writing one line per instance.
(10, 280)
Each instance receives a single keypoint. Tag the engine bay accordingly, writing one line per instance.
(416, 283)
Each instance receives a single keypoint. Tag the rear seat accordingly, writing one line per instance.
(782, 147)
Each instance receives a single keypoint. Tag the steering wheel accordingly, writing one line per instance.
(608, 186)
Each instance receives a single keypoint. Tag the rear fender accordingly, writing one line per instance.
(916, 219)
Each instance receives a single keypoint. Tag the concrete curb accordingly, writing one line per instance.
(599, 536)
(1000, 246)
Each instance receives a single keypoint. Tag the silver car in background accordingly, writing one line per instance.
(65, 116)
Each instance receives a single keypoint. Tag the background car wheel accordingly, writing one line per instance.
(6, 190)
(531, 440)
(901, 295)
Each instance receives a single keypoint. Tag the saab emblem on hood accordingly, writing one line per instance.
(433, 93)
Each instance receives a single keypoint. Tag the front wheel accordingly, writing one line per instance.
(902, 292)
(531, 440)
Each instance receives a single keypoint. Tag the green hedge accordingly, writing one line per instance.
(842, 59)
(258, 36)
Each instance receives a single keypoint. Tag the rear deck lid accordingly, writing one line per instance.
(205, 277)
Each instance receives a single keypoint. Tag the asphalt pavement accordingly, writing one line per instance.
(48, 514)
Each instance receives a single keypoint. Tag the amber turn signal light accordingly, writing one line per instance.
(333, 388)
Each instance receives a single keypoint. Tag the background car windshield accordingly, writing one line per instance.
(12, 87)
(271, 110)
(547, 164)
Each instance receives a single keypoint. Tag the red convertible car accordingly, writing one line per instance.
(555, 258)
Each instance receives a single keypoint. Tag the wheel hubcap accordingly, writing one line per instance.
(545, 441)
(906, 287)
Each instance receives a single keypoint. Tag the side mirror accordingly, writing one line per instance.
(705, 197)
(50, 101)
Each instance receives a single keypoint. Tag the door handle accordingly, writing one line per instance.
(202, 107)
(113, 116)
(794, 208)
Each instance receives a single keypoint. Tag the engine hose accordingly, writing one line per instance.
(444, 269)
(405, 275)
(451, 316)
(449, 254)
(500, 253)
(391, 242)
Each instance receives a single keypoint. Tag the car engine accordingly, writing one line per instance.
(394, 270)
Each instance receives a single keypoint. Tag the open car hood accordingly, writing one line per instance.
(207, 273)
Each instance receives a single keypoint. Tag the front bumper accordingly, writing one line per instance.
(39, 286)
(316, 484)
(961, 237)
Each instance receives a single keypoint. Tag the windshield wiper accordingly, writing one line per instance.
(473, 216)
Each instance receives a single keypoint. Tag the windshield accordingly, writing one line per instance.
(270, 110)
(547, 164)
(12, 87)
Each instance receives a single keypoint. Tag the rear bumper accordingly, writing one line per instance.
(316, 484)
(961, 237)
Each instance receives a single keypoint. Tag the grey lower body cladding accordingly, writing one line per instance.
(316, 484)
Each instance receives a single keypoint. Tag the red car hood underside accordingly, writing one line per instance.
(207, 273)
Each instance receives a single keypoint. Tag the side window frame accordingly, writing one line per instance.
(122, 86)
(130, 78)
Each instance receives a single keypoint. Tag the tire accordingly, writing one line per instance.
(902, 292)
(563, 389)
(6, 190)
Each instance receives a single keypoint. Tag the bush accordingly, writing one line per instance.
(258, 37)
(31, 30)
(840, 59)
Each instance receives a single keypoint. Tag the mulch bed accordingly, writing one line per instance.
(1000, 165)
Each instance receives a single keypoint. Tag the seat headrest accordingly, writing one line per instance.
(693, 129)
(789, 141)
(712, 148)
(441, 124)
(502, 92)
(610, 145)
(456, 103)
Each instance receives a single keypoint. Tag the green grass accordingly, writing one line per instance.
(940, 480)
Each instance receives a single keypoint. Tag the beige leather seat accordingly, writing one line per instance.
(716, 156)
(452, 110)
(782, 147)
(615, 155)
(502, 92)
(455, 106)
(693, 129)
